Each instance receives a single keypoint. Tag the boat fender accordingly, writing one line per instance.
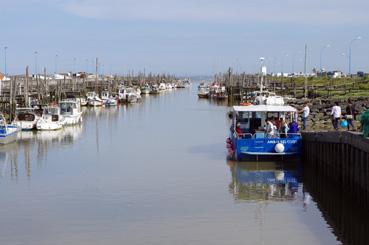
(279, 148)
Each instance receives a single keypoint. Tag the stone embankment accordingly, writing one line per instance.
(320, 116)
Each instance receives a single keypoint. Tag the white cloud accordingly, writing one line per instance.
(326, 12)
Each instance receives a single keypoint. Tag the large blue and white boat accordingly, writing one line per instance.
(8, 132)
(249, 139)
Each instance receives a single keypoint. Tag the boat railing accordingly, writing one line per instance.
(265, 136)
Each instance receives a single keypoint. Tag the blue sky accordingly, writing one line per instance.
(193, 37)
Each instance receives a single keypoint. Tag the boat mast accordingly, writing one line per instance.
(261, 73)
(96, 74)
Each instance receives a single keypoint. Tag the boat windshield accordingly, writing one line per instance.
(67, 106)
(51, 111)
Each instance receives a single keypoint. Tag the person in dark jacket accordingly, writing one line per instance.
(350, 115)
(293, 127)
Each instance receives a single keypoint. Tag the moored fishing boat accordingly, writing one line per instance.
(265, 97)
(203, 91)
(51, 119)
(145, 89)
(83, 101)
(71, 111)
(128, 95)
(26, 118)
(8, 132)
(154, 89)
(186, 83)
(94, 100)
(250, 139)
(105, 96)
(169, 86)
(111, 102)
(162, 87)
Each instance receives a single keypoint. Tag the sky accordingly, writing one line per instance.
(188, 37)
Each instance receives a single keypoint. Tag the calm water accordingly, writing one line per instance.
(151, 173)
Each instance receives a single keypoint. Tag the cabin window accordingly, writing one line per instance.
(26, 117)
(55, 118)
(273, 115)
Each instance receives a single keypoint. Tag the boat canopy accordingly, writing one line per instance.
(265, 108)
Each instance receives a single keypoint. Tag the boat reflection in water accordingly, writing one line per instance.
(9, 160)
(15, 158)
(259, 181)
(65, 136)
(344, 210)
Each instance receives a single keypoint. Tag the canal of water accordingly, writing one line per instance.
(151, 173)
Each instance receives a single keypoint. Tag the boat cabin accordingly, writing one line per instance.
(53, 112)
(25, 114)
(69, 107)
(252, 119)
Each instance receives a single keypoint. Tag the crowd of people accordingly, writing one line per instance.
(345, 120)
(275, 127)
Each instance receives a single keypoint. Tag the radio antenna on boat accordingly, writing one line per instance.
(261, 73)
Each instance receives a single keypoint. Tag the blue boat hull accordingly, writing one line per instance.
(264, 148)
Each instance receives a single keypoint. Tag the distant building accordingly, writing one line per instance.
(337, 74)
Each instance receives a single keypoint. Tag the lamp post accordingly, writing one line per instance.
(56, 64)
(74, 65)
(282, 63)
(350, 49)
(321, 55)
(86, 68)
(5, 48)
(36, 54)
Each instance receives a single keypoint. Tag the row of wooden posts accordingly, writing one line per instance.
(239, 84)
(20, 89)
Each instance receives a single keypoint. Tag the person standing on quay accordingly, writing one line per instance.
(336, 115)
(305, 114)
(350, 115)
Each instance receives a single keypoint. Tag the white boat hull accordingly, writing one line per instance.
(26, 125)
(72, 119)
(111, 102)
(145, 91)
(9, 135)
(43, 125)
(95, 103)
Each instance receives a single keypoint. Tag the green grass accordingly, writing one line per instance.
(341, 88)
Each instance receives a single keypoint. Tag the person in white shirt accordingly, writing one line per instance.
(336, 115)
(304, 117)
(270, 129)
